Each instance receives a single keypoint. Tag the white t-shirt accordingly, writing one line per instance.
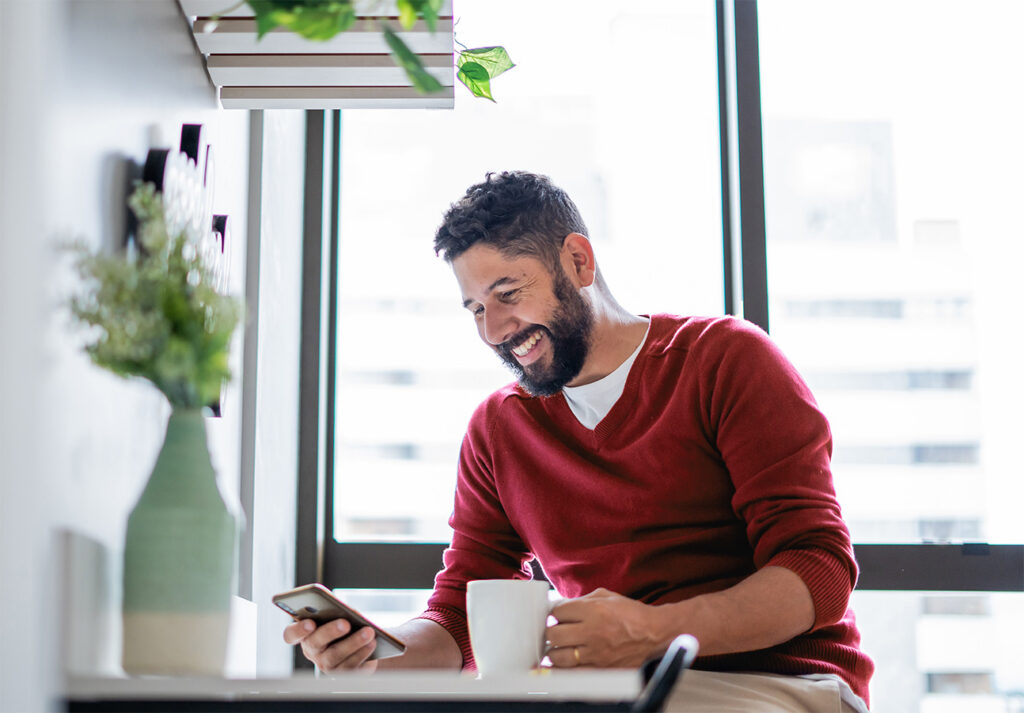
(592, 402)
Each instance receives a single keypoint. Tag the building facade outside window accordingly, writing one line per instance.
(892, 247)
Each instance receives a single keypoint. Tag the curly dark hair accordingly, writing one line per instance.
(517, 212)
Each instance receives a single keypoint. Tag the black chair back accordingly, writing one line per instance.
(662, 674)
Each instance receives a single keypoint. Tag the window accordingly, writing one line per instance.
(638, 151)
(891, 272)
(640, 159)
(892, 265)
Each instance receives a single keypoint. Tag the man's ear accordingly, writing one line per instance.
(578, 259)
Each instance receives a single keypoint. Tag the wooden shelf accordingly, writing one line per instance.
(353, 70)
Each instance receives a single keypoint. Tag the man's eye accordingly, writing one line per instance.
(507, 296)
(477, 311)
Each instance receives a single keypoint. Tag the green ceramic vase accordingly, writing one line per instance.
(179, 561)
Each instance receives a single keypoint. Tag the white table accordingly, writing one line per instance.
(381, 691)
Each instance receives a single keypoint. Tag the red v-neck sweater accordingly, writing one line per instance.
(712, 464)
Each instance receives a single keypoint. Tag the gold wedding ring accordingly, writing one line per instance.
(576, 653)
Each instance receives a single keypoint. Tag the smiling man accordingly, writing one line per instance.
(671, 474)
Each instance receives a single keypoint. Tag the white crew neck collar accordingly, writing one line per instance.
(590, 403)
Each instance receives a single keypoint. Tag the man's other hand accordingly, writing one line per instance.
(334, 646)
(606, 630)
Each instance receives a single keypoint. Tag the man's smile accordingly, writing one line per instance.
(526, 346)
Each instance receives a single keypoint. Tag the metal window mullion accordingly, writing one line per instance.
(971, 567)
(316, 350)
(329, 545)
(383, 565)
(327, 512)
(732, 265)
(751, 162)
(312, 392)
(743, 221)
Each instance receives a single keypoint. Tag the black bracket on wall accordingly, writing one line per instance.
(185, 180)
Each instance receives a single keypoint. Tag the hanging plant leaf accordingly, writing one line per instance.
(265, 20)
(313, 20)
(324, 19)
(430, 10)
(410, 10)
(476, 79)
(407, 13)
(477, 67)
(411, 63)
(494, 59)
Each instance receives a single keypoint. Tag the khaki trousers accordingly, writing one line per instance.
(717, 692)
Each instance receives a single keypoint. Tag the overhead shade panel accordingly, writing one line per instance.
(353, 70)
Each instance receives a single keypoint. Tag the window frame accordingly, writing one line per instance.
(412, 565)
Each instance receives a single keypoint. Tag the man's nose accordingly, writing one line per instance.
(498, 325)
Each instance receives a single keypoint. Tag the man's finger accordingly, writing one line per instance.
(350, 652)
(326, 635)
(570, 610)
(562, 635)
(568, 656)
(297, 631)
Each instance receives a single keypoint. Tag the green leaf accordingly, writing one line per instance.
(346, 16)
(411, 10)
(265, 20)
(431, 10)
(476, 79)
(410, 62)
(478, 66)
(321, 22)
(313, 20)
(476, 71)
(430, 17)
(407, 13)
(494, 59)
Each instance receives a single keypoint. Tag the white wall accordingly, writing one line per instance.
(22, 684)
(87, 86)
(276, 443)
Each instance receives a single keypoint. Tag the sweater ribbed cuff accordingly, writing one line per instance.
(455, 624)
(828, 579)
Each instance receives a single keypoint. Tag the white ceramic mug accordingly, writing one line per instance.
(507, 621)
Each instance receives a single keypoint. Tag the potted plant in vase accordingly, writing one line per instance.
(153, 312)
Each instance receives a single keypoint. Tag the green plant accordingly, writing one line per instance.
(152, 309)
(323, 19)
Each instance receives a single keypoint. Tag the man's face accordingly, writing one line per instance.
(536, 321)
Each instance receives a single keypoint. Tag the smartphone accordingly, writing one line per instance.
(317, 602)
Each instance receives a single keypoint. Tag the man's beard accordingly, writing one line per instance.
(569, 335)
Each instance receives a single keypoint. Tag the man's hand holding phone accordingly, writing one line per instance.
(333, 635)
(330, 645)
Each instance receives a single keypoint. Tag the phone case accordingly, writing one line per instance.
(317, 602)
